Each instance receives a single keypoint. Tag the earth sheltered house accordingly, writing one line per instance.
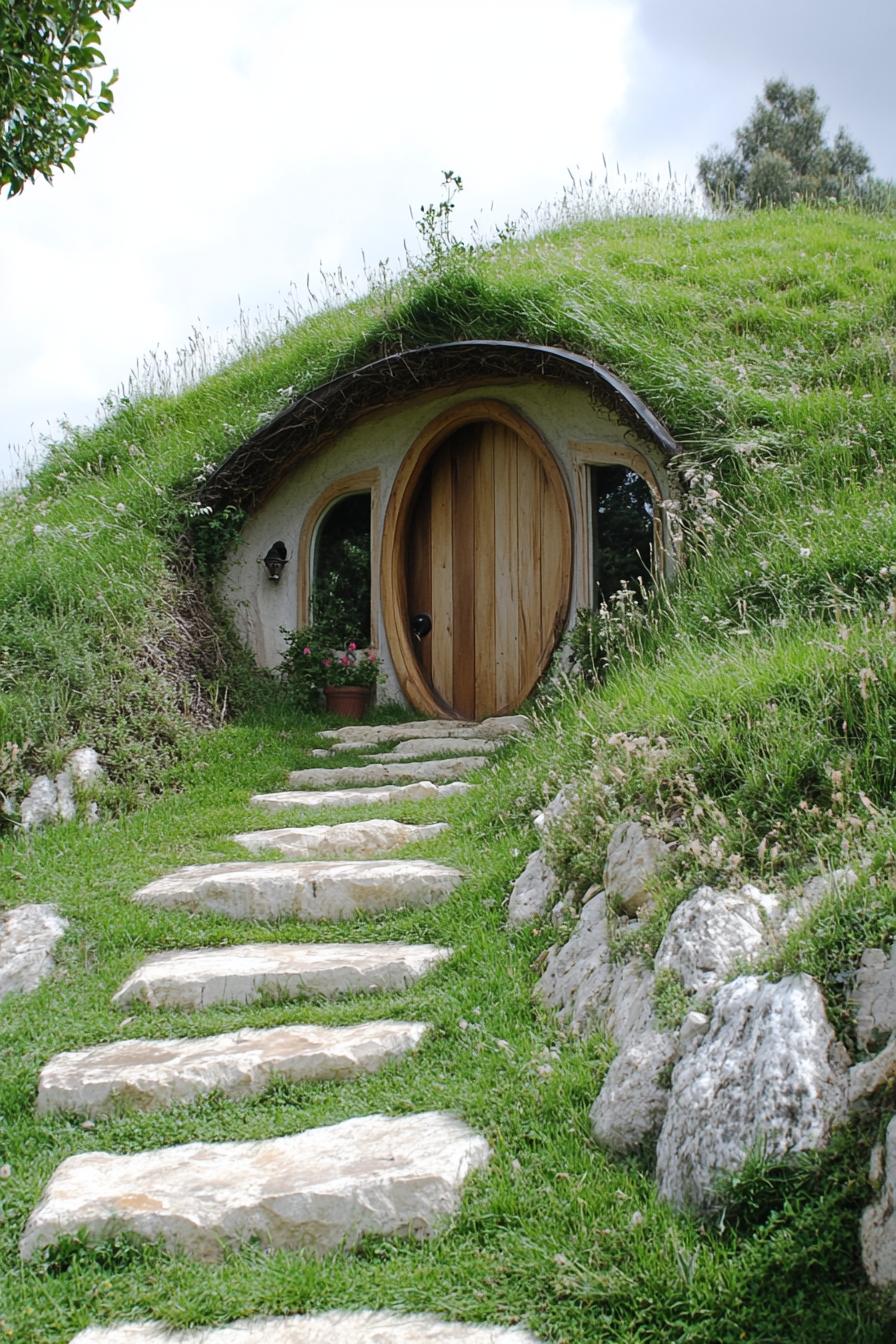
(491, 489)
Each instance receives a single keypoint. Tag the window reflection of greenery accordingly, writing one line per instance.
(621, 530)
(340, 595)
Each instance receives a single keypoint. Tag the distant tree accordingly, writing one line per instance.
(780, 155)
(49, 50)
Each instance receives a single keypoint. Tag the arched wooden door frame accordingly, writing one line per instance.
(393, 580)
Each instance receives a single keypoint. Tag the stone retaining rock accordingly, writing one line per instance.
(305, 891)
(578, 975)
(197, 978)
(532, 892)
(712, 932)
(878, 1228)
(633, 859)
(874, 997)
(632, 1102)
(321, 1190)
(423, 791)
(28, 936)
(505, 725)
(360, 839)
(397, 773)
(768, 1073)
(329, 1327)
(149, 1074)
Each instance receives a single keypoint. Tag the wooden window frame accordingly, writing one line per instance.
(584, 456)
(359, 483)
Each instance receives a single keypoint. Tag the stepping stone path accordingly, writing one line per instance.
(330, 1327)
(397, 793)
(308, 891)
(325, 1188)
(321, 1190)
(360, 839)
(197, 978)
(149, 1074)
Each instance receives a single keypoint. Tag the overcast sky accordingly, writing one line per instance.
(253, 145)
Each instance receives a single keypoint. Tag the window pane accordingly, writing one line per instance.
(621, 530)
(340, 594)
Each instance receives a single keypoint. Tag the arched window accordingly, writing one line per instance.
(340, 570)
(617, 499)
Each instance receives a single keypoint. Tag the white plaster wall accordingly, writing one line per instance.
(563, 416)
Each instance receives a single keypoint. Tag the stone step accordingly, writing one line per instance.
(328, 1327)
(362, 734)
(414, 748)
(360, 839)
(28, 936)
(420, 792)
(398, 772)
(199, 977)
(321, 1190)
(149, 1074)
(309, 891)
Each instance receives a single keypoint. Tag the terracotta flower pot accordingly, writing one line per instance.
(348, 702)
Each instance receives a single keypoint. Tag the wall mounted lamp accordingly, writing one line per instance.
(274, 561)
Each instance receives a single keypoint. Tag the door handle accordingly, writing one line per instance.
(421, 624)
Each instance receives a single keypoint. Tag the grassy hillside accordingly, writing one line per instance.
(748, 714)
(765, 341)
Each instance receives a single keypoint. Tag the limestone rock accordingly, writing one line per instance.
(878, 1228)
(578, 976)
(557, 808)
(360, 839)
(866, 1080)
(84, 767)
(692, 1030)
(307, 891)
(633, 858)
(321, 1190)
(711, 932)
(202, 976)
(397, 772)
(65, 797)
(813, 893)
(505, 725)
(420, 792)
(329, 1327)
(413, 748)
(629, 1010)
(28, 935)
(632, 1102)
(532, 892)
(768, 1072)
(40, 804)
(148, 1074)
(874, 997)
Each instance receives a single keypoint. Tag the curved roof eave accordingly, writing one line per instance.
(302, 428)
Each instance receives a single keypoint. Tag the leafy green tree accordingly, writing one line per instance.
(780, 155)
(49, 50)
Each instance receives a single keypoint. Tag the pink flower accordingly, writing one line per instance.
(345, 660)
(306, 651)
(352, 647)
(328, 662)
(371, 655)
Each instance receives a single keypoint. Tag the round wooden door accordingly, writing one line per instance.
(487, 547)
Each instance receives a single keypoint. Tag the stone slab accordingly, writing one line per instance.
(414, 748)
(878, 1227)
(309, 891)
(420, 792)
(197, 978)
(329, 1327)
(399, 772)
(321, 1190)
(504, 725)
(532, 892)
(148, 1074)
(874, 997)
(28, 935)
(360, 839)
